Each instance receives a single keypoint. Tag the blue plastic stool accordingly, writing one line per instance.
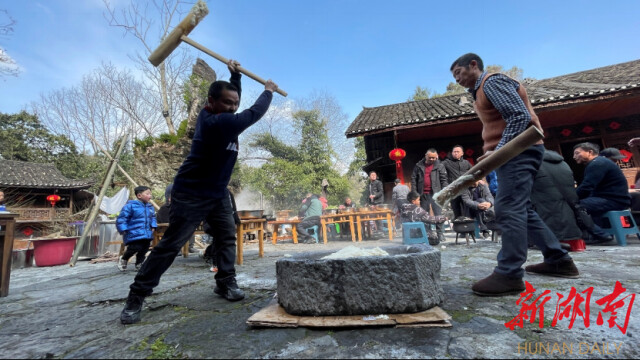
(384, 225)
(621, 224)
(315, 232)
(407, 239)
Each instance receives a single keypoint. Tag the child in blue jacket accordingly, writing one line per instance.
(136, 223)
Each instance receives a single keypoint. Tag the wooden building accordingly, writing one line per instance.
(600, 106)
(26, 186)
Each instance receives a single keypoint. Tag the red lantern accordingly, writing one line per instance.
(53, 199)
(627, 155)
(397, 155)
(27, 231)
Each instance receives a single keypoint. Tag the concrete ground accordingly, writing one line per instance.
(73, 312)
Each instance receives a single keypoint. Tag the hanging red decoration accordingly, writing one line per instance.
(565, 132)
(587, 129)
(53, 199)
(470, 160)
(442, 154)
(27, 231)
(469, 152)
(397, 155)
(614, 125)
(627, 155)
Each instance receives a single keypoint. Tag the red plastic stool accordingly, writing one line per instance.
(576, 245)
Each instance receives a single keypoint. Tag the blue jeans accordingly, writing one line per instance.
(517, 219)
(187, 212)
(596, 207)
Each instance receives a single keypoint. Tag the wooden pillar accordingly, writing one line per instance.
(7, 224)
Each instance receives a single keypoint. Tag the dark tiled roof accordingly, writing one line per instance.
(580, 85)
(34, 175)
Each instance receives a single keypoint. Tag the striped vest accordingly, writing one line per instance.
(492, 122)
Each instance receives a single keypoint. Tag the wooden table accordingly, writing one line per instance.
(7, 225)
(276, 224)
(338, 219)
(157, 236)
(374, 215)
(249, 225)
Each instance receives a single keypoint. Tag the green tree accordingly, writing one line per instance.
(359, 159)
(292, 171)
(357, 177)
(24, 138)
(421, 93)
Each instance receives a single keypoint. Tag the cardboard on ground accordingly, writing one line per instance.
(274, 316)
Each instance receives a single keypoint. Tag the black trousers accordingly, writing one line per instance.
(427, 202)
(307, 223)
(138, 248)
(187, 212)
(457, 206)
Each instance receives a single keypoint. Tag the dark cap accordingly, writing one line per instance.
(612, 153)
(397, 181)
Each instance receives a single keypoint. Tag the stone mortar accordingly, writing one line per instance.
(406, 281)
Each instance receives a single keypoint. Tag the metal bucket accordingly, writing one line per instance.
(21, 258)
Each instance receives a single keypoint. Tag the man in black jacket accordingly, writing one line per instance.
(430, 176)
(477, 203)
(375, 190)
(200, 192)
(603, 188)
(553, 196)
(456, 166)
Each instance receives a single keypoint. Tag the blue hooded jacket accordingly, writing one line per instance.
(138, 220)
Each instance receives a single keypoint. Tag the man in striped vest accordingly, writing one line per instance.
(505, 111)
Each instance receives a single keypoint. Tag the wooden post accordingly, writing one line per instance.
(96, 209)
(7, 224)
(121, 169)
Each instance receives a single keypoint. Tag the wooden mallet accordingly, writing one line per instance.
(179, 34)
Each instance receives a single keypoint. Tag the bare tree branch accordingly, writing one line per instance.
(8, 66)
(138, 20)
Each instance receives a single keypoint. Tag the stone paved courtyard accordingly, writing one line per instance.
(73, 312)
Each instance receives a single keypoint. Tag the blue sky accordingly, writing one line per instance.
(363, 52)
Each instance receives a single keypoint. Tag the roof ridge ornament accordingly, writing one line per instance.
(463, 101)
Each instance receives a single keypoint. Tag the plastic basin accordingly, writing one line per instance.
(51, 252)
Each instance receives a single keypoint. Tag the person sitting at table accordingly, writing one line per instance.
(477, 203)
(345, 228)
(311, 210)
(348, 203)
(411, 211)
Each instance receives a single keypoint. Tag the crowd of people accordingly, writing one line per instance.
(532, 198)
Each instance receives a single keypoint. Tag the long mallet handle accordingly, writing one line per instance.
(225, 60)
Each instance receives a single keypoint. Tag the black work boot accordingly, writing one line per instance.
(228, 289)
(132, 309)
